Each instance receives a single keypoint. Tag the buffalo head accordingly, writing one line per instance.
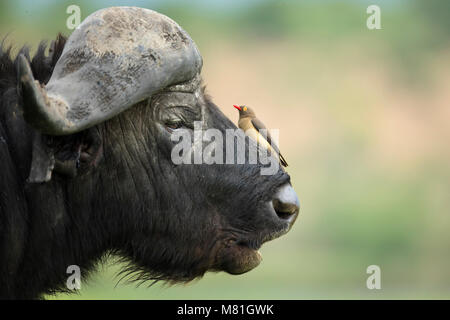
(127, 79)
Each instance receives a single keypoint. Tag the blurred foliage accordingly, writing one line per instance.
(369, 129)
(437, 13)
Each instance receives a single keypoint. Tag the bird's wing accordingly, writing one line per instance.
(266, 134)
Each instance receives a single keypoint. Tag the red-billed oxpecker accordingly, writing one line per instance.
(254, 128)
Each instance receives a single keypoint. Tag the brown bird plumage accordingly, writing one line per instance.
(253, 126)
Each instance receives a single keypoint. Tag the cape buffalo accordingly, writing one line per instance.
(86, 170)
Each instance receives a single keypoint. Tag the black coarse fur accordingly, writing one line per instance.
(168, 222)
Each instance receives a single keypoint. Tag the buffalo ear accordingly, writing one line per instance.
(65, 155)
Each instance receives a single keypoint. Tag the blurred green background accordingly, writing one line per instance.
(364, 118)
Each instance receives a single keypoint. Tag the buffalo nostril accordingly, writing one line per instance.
(286, 203)
(284, 210)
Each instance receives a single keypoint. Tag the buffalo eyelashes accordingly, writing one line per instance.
(173, 125)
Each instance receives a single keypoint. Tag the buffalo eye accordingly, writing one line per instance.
(170, 126)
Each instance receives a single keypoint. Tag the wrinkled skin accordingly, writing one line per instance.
(171, 222)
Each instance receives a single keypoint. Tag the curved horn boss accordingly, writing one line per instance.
(116, 58)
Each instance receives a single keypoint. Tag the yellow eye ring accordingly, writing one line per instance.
(245, 108)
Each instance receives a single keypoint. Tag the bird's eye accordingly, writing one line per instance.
(245, 108)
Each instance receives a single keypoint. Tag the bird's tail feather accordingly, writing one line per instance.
(283, 161)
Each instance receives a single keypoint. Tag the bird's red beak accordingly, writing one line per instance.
(237, 107)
